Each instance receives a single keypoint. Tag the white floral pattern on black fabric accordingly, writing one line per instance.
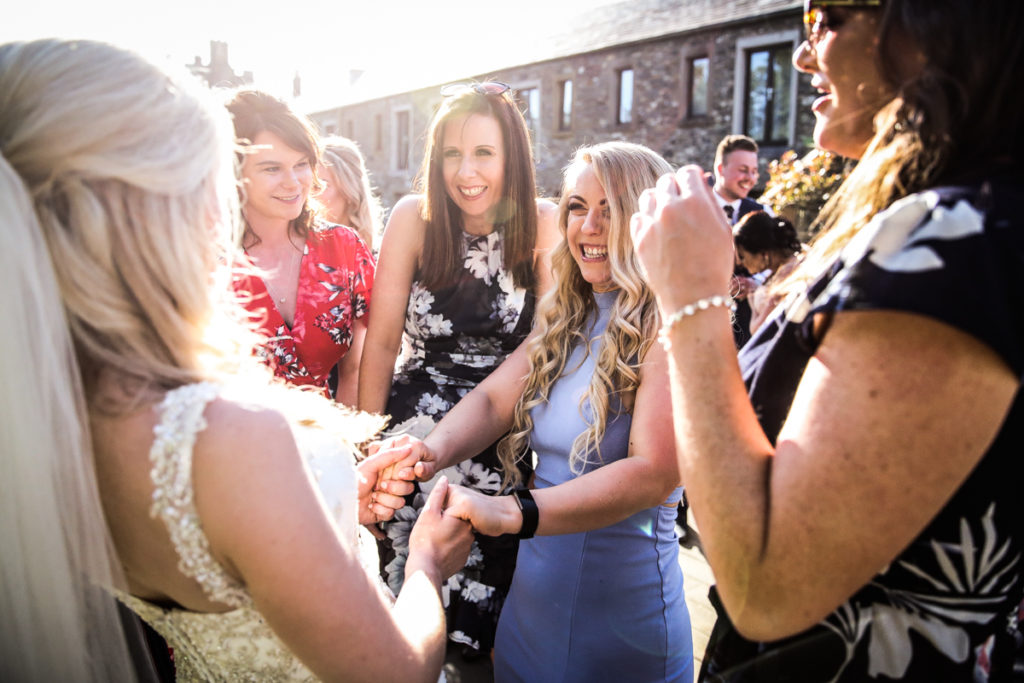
(454, 337)
(947, 608)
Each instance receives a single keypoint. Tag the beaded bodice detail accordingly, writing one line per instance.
(236, 645)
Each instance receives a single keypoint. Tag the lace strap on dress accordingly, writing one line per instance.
(180, 420)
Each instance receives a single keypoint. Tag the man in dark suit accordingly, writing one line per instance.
(735, 176)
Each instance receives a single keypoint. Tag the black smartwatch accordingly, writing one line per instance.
(531, 516)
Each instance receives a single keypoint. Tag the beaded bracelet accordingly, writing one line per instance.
(717, 301)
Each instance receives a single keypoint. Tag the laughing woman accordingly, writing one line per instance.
(314, 292)
(598, 592)
(460, 268)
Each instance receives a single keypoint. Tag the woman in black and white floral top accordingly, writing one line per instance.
(859, 499)
(459, 270)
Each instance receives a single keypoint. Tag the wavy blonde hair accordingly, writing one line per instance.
(347, 168)
(624, 171)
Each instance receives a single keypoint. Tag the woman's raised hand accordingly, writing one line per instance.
(683, 240)
(489, 515)
(438, 536)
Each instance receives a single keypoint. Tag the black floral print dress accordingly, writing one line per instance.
(948, 607)
(454, 337)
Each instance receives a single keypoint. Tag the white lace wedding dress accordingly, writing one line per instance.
(236, 645)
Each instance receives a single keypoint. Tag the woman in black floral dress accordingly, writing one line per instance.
(859, 500)
(460, 267)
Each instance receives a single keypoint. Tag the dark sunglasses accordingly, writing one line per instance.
(485, 88)
(816, 19)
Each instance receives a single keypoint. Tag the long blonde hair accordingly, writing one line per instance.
(624, 171)
(344, 162)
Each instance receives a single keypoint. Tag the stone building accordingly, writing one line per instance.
(675, 75)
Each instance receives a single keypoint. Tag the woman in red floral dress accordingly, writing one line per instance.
(312, 293)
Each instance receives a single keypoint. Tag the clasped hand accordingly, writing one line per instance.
(410, 459)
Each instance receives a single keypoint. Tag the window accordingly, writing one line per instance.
(625, 99)
(378, 133)
(402, 138)
(767, 106)
(565, 108)
(697, 88)
(529, 104)
(350, 130)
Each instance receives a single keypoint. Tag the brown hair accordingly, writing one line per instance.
(255, 112)
(517, 215)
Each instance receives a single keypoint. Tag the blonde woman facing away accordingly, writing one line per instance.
(143, 453)
(347, 196)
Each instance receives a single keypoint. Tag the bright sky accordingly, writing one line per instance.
(322, 40)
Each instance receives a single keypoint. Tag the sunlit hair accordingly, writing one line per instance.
(624, 170)
(256, 112)
(517, 212)
(117, 196)
(952, 120)
(347, 169)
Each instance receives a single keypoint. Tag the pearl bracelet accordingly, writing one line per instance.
(717, 301)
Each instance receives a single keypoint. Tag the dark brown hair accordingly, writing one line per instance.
(758, 232)
(517, 213)
(255, 112)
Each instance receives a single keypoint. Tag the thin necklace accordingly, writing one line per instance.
(292, 271)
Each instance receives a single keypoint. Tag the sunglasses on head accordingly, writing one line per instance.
(816, 20)
(485, 88)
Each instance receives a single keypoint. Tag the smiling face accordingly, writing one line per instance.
(736, 175)
(473, 158)
(843, 68)
(333, 197)
(277, 180)
(587, 228)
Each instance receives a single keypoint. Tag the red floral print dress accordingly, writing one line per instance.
(335, 279)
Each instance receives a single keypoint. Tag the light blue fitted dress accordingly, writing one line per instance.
(602, 605)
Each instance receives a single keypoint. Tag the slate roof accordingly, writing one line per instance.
(601, 27)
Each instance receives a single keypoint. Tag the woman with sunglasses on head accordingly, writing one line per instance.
(859, 499)
(460, 268)
(146, 453)
(313, 292)
(598, 592)
(347, 195)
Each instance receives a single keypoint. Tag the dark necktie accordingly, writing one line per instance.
(729, 212)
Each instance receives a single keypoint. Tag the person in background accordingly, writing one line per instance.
(145, 451)
(347, 195)
(856, 476)
(597, 593)
(460, 268)
(735, 176)
(766, 247)
(312, 293)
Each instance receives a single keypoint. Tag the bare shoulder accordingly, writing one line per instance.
(405, 228)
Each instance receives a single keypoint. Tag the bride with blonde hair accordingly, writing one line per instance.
(143, 453)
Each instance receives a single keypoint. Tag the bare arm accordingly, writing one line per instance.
(348, 366)
(399, 252)
(891, 415)
(607, 494)
(267, 525)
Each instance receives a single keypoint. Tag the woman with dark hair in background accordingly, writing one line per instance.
(313, 292)
(859, 500)
(766, 246)
(460, 268)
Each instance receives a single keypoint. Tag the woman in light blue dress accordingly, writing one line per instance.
(597, 593)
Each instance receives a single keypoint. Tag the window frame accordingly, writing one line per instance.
(744, 47)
